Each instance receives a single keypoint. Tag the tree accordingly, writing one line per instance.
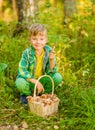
(26, 10)
(1, 5)
(93, 6)
(14, 9)
(70, 9)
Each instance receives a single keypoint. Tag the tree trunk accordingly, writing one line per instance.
(29, 10)
(70, 8)
(26, 14)
(14, 9)
(93, 7)
(1, 4)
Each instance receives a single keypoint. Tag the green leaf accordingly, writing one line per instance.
(2, 66)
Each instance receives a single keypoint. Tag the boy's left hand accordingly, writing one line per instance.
(52, 54)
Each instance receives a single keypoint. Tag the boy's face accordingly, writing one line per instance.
(38, 41)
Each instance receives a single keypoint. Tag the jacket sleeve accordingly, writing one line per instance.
(23, 66)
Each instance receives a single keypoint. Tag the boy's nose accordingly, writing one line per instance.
(38, 41)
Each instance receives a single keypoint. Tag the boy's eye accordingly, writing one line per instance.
(34, 38)
(41, 38)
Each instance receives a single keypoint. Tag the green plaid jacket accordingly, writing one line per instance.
(27, 64)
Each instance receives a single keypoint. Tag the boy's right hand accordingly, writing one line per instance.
(39, 85)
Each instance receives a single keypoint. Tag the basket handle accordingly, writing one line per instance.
(39, 79)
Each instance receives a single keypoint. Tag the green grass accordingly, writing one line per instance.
(76, 110)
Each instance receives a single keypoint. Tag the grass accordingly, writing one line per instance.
(76, 110)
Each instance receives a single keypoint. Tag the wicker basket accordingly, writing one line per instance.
(44, 105)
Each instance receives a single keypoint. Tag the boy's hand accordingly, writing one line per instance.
(52, 54)
(51, 58)
(40, 87)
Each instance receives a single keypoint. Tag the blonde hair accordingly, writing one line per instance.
(38, 29)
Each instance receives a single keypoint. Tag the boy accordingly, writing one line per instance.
(37, 60)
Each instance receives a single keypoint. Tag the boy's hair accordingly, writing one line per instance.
(37, 28)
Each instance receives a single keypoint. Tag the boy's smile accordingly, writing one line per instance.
(38, 42)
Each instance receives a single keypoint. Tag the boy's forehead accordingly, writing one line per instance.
(39, 34)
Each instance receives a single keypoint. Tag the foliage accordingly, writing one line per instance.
(75, 51)
(2, 68)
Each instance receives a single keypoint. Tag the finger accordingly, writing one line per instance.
(43, 90)
(39, 91)
(52, 55)
(52, 52)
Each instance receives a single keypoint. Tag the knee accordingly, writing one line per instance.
(57, 78)
(21, 84)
